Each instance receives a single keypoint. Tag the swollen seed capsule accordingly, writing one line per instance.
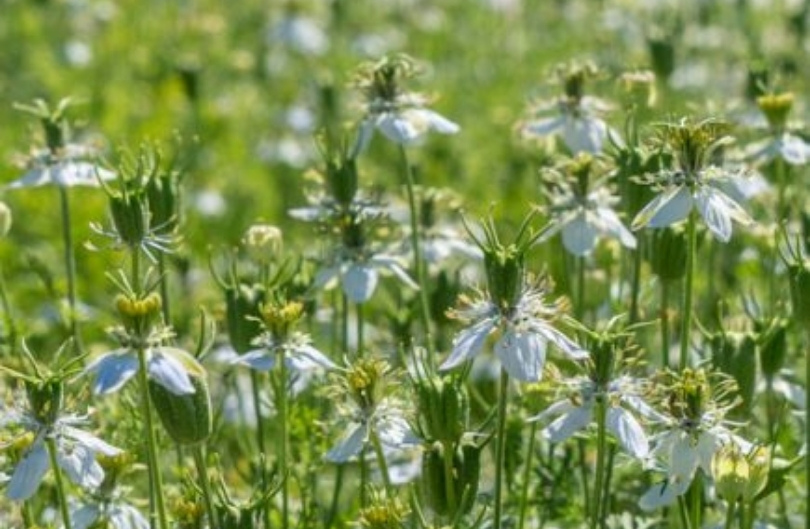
(186, 418)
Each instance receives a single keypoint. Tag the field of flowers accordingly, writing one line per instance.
(496, 264)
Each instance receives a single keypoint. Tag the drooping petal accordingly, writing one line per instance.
(567, 425)
(325, 277)
(424, 119)
(579, 235)
(29, 472)
(558, 408)
(397, 128)
(523, 355)
(544, 127)
(359, 282)
(392, 265)
(364, 135)
(90, 441)
(584, 134)
(113, 370)
(79, 464)
(628, 431)
(616, 227)
(304, 357)
(715, 216)
(663, 494)
(468, 342)
(684, 458)
(349, 446)
(707, 445)
(123, 516)
(169, 373)
(565, 344)
(85, 516)
(73, 173)
(260, 359)
(669, 207)
(394, 431)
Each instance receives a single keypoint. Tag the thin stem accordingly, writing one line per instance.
(686, 324)
(583, 472)
(360, 330)
(60, 483)
(448, 452)
(685, 521)
(696, 500)
(418, 265)
(333, 508)
(257, 409)
(363, 477)
(527, 473)
(579, 310)
(70, 267)
(27, 515)
(500, 448)
(636, 282)
(807, 429)
(151, 446)
(378, 452)
(208, 497)
(601, 449)
(10, 325)
(664, 323)
(730, 512)
(281, 403)
(164, 288)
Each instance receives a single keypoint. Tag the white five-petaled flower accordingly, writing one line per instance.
(576, 413)
(297, 350)
(789, 147)
(385, 420)
(525, 333)
(115, 512)
(70, 167)
(702, 191)
(581, 220)
(403, 120)
(578, 123)
(75, 454)
(359, 275)
(168, 366)
(684, 448)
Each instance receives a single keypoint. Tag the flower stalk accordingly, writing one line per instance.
(64, 510)
(686, 324)
(500, 448)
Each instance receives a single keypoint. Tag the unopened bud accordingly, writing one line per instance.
(731, 472)
(776, 108)
(45, 398)
(242, 312)
(130, 217)
(638, 88)
(262, 242)
(187, 417)
(446, 408)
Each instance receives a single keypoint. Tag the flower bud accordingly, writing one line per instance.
(5, 219)
(662, 55)
(242, 312)
(667, 254)
(776, 108)
(187, 417)
(731, 472)
(262, 242)
(444, 408)
(464, 474)
(772, 341)
(505, 275)
(138, 313)
(45, 398)
(734, 354)
(163, 197)
(638, 88)
(341, 176)
(759, 467)
(130, 216)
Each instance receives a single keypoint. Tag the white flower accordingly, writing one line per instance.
(579, 124)
(67, 169)
(359, 276)
(403, 121)
(575, 414)
(168, 366)
(789, 147)
(704, 192)
(386, 420)
(116, 513)
(75, 454)
(298, 352)
(525, 334)
(583, 219)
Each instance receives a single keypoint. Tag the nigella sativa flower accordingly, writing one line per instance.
(76, 452)
(782, 143)
(576, 412)
(115, 513)
(694, 184)
(574, 116)
(401, 116)
(694, 429)
(71, 165)
(582, 212)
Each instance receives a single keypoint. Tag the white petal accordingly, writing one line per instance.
(325, 277)
(29, 472)
(36, 177)
(669, 207)
(662, 494)
(260, 359)
(350, 445)
(423, 119)
(79, 464)
(393, 265)
(794, 150)
(558, 408)
(90, 441)
(584, 134)
(307, 357)
(69, 174)
(170, 373)
(359, 282)
(397, 128)
(717, 210)
(84, 517)
(113, 370)
(364, 135)
(468, 342)
(684, 457)
(628, 431)
(579, 236)
(567, 346)
(394, 431)
(522, 354)
(706, 447)
(569, 424)
(124, 516)
(615, 227)
(544, 127)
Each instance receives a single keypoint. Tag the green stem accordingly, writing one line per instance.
(686, 324)
(164, 288)
(601, 451)
(664, 323)
(257, 409)
(10, 325)
(583, 472)
(730, 512)
(448, 452)
(682, 510)
(363, 477)
(378, 452)
(527, 474)
(696, 500)
(151, 446)
(418, 264)
(360, 330)
(60, 483)
(500, 448)
(27, 515)
(807, 429)
(208, 497)
(70, 267)
(579, 310)
(333, 508)
(636, 282)
(281, 403)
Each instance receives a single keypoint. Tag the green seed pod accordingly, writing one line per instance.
(465, 473)
(662, 56)
(163, 196)
(45, 398)
(242, 314)
(734, 354)
(130, 217)
(772, 343)
(800, 291)
(341, 176)
(667, 255)
(505, 275)
(445, 409)
(187, 418)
